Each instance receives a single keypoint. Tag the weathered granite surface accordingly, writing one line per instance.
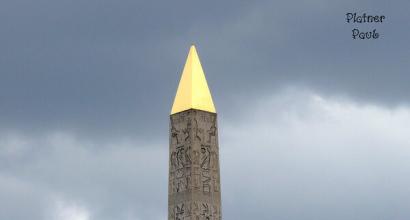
(194, 191)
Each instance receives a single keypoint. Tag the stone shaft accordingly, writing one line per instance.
(194, 191)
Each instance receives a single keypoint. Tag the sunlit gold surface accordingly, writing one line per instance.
(193, 91)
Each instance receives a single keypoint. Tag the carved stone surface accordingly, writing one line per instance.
(194, 179)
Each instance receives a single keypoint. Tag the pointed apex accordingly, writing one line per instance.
(193, 91)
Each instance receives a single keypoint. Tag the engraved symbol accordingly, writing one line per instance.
(173, 160)
(205, 157)
(179, 173)
(180, 156)
(188, 210)
(181, 184)
(195, 182)
(195, 208)
(188, 182)
(205, 211)
(183, 156)
(187, 131)
(174, 134)
(211, 132)
(188, 160)
(180, 212)
(197, 131)
(206, 180)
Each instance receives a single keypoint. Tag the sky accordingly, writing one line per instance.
(312, 123)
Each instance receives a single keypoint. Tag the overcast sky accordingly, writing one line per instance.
(313, 124)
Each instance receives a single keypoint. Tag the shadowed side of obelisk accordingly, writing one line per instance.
(194, 179)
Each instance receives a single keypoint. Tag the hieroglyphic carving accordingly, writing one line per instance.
(173, 160)
(205, 157)
(188, 209)
(206, 182)
(197, 131)
(175, 135)
(183, 156)
(194, 183)
(206, 212)
(180, 157)
(179, 214)
(211, 133)
(195, 210)
(187, 131)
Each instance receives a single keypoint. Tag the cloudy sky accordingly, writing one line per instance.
(313, 124)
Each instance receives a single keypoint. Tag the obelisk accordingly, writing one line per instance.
(194, 191)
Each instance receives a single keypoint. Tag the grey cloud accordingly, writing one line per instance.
(92, 65)
(124, 179)
(319, 158)
(20, 200)
(100, 68)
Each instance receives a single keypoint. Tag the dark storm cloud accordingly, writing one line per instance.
(103, 66)
(93, 64)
